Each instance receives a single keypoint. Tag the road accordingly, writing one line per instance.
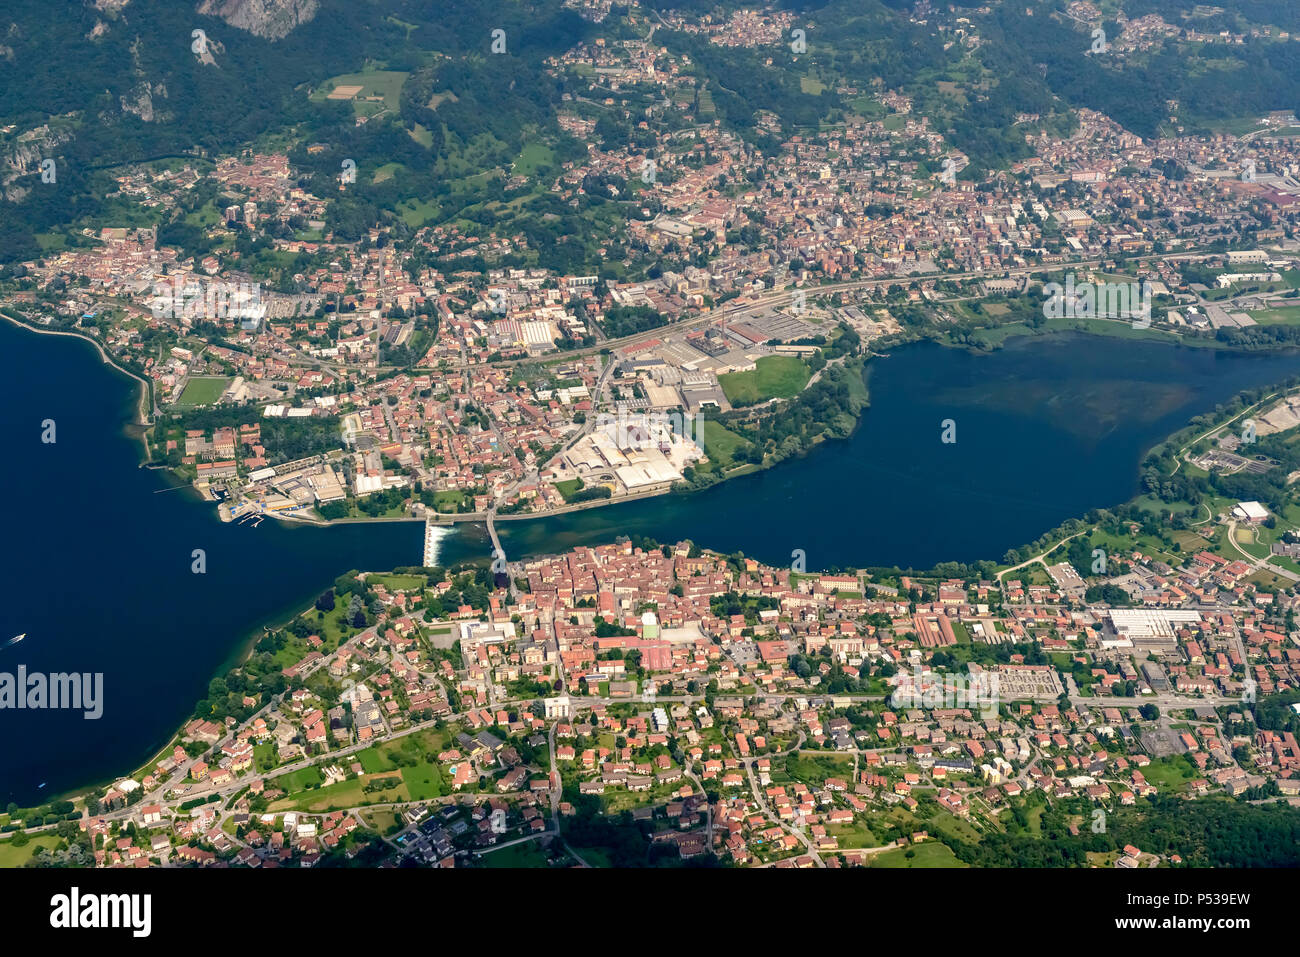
(776, 299)
(1039, 558)
(1178, 459)
(1262, 564)
(767, 812)
(532, 476)
(555, 792)
(689, 772)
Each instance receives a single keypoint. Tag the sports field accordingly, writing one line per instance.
(203, 390)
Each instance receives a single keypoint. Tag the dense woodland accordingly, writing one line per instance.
(1214, 832)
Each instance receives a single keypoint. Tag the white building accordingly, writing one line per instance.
(659, 717)
(479, 632)
(1250, 511)
(1128, 625)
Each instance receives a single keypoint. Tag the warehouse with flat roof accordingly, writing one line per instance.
(1126, 626)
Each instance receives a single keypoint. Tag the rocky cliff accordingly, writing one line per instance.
(272, 19)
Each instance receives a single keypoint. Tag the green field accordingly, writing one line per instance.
(422, 136)
(303, 778)
(773, 377)
(528, 854)
(344, 794)
(950, 825)
(568, 488)
(867, 107)
(385, 172)
(419, 782)
(929, 854)
(997, 335)
(449, 500)
(853, 835)
(423, 781)
(380, 757)
(11, 856)
(398, 582)
(416, 214)
(203, 390)
(385, 822)
(1283, 315)
(385, 84)
(205, 216)
(720, 443)
(533, 156)
(813, 769)
(1169, 774)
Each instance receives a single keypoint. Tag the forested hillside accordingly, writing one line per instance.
(130, 86)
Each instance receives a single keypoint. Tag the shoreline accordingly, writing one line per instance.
(1161, 337)
(452, 519)
(242, 651)
(142, 422)
(245, 646)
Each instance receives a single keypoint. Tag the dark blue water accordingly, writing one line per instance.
(1046, 428)
(96, 569)
(97, 564)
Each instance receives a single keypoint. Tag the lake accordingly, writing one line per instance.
(97, 570)
(1046, 428)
